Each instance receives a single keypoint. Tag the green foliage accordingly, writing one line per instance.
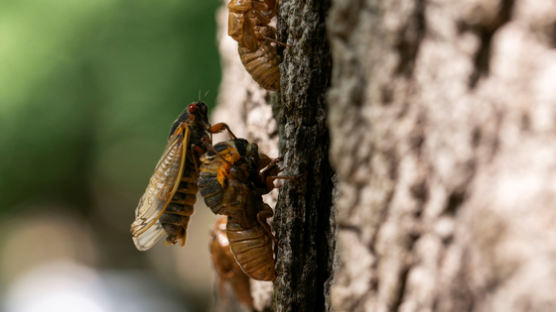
(88, 90)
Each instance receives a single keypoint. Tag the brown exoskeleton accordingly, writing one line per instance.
(226, 266)
(248, 24)
(165, 207)
(233, 177)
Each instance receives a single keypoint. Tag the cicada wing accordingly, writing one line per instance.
(150, 237)
(146, 230)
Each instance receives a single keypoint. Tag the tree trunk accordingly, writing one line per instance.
(442, 125)
(442, 120)
(303, 220)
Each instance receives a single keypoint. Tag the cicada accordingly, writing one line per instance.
(226, 266)
(248, 24)
(165, 207)
(234, 176)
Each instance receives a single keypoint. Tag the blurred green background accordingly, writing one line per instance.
(88, 91)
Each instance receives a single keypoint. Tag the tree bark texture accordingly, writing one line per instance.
(442, 121)
(296, 116)
(442, 117)
(304, 217)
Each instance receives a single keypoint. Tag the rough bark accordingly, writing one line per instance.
(304, 217)
(303, 221)
(442, 117)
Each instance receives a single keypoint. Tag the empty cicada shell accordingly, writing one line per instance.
(226, 267)
(248, 24)
(233, 177)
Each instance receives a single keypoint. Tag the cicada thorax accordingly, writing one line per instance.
(216, 171)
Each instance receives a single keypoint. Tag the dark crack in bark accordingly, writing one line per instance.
(485, 30)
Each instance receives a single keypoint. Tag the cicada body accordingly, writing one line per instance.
(167, 204)
(248, 24)
(263, 65)
(231, 184)
(245, 18)
(226, 266)
(252, 247)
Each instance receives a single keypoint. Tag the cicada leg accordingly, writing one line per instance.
(219, 127)
(268, 164)
(270, 173)
(268, 33)
(262, 215)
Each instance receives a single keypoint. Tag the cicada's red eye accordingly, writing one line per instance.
(192, 108)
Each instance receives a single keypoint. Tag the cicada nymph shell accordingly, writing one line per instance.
(248, 24)
(231, 183)
(226, 267)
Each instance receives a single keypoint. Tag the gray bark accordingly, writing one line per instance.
(443, 136)
(442, 122)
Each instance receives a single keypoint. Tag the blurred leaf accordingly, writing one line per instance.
(80, 80)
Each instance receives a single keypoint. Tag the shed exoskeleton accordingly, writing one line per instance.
(248, 24)
(233, 178)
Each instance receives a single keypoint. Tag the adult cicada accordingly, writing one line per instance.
(248, 24)
(234, 176)
(165, 207)
(226, 266)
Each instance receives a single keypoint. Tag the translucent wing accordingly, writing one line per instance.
(146, 230)
(150, 237)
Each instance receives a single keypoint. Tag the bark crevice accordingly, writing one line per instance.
(485, 29)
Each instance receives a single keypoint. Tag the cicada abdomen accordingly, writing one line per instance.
(231, 185)
(263, 65)
(176, 217)
(165, 207)
(226, 267)
(252, 249)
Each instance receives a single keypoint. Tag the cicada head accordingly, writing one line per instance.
(199, 110)
(195, 112)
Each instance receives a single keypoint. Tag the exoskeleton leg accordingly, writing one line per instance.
(262, 215)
